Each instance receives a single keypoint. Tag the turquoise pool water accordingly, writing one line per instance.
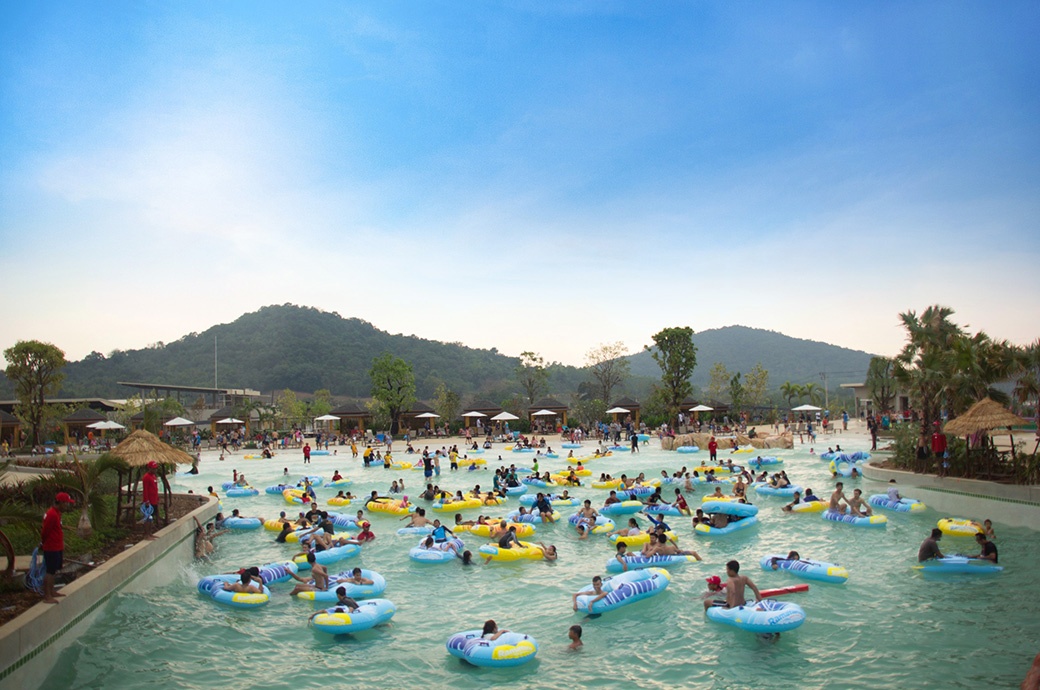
(887, 627)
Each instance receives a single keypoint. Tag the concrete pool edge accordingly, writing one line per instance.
(30, 644)
(1010, 504)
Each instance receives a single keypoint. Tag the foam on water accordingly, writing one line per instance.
(887, 627)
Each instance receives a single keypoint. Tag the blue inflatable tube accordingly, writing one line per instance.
(277, 489)
(570, 445)
(702, 530)
(354, 591)
(759, 462)
(273, 573)
(243, 523)
(342, 481)
(339, 620)
(663, 509)
(643, 562)
(320, 452)
(533, 518)
(637, 491)
(602, 526)
(762, 617)
(510, 649)
(855, 520)
(764, 489)
(643, 437)
(329, 556)
(619, 449)
(806, 568)
(314, 479)
(527, 500)
(213, 587)
(687, 449)
(959, 564)
(523, 450)
(626, 588)
(730, 508)
(903, 505)
(532, 481)
(241, 492)
(440, 553)
(860, 456)
(622, 508)
(552, 456)
(516, 490)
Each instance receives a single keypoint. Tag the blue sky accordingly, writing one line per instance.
(527, 176)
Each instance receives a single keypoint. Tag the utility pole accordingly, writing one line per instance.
(826, 391)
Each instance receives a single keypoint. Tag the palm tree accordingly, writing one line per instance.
(975, 363)
(791, 391)
(923, 365)
(813, 392)
(85, 482)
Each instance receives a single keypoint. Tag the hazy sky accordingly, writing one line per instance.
(526, 175)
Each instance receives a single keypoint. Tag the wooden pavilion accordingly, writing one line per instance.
(485, 407)
(410, 420)
(629, 404)
(351, 416)
(10, 429)
(75, 425)
(550, 404)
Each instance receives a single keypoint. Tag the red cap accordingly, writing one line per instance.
(63, 497)
(713, 580)
(153, 465)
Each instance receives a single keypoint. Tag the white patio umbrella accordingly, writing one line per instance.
(543, 413)
(474, 413)
(428, 415)
(327, 418)
(179, 421)
(617, 410)
(230, 420)
(806, 408)
(701, 408)
(106, 425)
(504, 417)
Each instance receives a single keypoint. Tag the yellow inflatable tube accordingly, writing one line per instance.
(958, 527)
(526, 551)
(523, 529)
(639, 539)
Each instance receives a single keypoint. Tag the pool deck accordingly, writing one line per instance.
(1010, 504)
(31, 643)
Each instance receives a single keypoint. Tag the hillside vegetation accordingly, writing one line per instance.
(306, 349)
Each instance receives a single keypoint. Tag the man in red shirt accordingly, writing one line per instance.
(713, 448)
(150, 494)
(53, 543)
(306, 453)
(939, 449)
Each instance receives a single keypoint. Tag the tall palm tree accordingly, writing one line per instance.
(1027, 387)
(814, 392)
(791, 391)
(923, 365)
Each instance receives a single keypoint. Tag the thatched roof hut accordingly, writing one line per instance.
(552, 405)
(75, 425)
(984, 415)
(137, 450)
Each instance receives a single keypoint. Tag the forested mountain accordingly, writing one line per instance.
(784, 357)
(306, 349)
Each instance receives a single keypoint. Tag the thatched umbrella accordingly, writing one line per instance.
(137, 450)
(983, 416)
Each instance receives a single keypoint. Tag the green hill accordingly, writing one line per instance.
(306, 349)
(786, 358)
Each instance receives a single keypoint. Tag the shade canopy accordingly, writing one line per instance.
(427, 415)
(105, 425)
(230, 420)
(806, 408)
(474, 413)
(544, 413)
(327, 418)
(179, 421)
(504, 417)
(701, 408)
(142, 447)
(617, 410)
(984, 415)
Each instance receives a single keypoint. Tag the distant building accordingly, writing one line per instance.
(865, 404)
